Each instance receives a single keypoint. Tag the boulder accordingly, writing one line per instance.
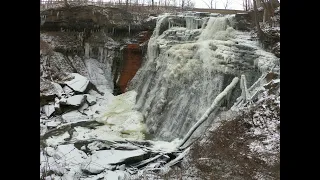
(76, 100)
(79, 83)
(48, 109)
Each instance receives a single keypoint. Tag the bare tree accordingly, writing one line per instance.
(245, 4)
(66, 3)
(174, 2)
(261, 34)
(127, 4)
(182, 3)
(210, 3)
(226, 3)
(189, 4)
(268, 6)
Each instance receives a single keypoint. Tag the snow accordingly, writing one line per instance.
(48, 109)
(91, 99)
(55, 140)
(266, 125)
(79, 83)
(64, 159)
(103, 159)
(76, 100)
(53, 124)
(166, 146)
(102, 103)
(58, 88)
(74, 116)
(68, 91)
(83, 107)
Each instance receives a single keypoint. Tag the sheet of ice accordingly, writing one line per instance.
(76, 100)
(53, 124)
(101, 160)
(48, 109)
(165, 146)
(121, 117)
(74, 116)
(121, 103)
(79, 83)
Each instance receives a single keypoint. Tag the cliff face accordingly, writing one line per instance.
(86, 40)
(92, 43)
(81, 18)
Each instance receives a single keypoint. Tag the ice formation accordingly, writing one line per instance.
(188, 67)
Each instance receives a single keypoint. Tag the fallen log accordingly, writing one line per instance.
(213, 106)
(177, 159)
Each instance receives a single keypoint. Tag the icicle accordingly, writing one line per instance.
(101, 53)
(129, 29)
(86, 50)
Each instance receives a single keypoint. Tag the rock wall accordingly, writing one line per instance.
(86, 41)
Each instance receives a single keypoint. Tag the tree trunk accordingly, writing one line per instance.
(213, 106)
(127, 4)
(261, 35)
(66, 3)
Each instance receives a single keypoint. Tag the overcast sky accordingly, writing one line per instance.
(233, 4)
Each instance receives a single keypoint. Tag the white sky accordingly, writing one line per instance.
(233, 4)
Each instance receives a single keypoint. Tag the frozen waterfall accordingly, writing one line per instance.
(188, 67)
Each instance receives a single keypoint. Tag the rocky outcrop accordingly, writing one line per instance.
(88, 18)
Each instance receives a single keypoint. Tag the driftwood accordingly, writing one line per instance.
(213, 106)
(144, 162)
(178, 158)
(249, 94)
